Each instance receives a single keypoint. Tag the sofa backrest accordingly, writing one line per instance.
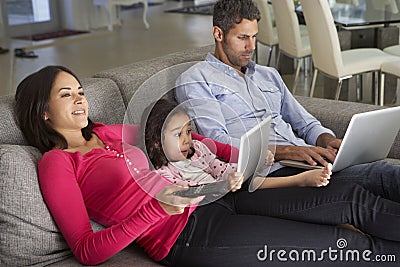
(9, 131)
(106, 104)
(336, 115)
(130, 77)
(160, 85)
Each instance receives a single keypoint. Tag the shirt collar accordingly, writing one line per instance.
(218, 64)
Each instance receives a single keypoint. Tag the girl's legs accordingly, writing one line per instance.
(218, 236)
(337, 203)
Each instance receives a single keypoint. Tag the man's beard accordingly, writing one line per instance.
(233, 59)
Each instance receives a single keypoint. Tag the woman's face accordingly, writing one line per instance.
(68, 108)
(177, 137)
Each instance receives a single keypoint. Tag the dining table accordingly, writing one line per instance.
(363, 24)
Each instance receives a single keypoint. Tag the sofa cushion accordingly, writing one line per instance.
(9, 131)
(105, 101)
(29, 235)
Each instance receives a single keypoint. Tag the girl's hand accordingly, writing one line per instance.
(173, 204)
(235, 180)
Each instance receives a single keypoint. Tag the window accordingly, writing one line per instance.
(27, 11)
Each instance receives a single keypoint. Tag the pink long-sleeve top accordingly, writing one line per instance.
(114, 187)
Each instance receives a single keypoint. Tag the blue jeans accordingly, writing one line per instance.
(279, 226)
(381, 178)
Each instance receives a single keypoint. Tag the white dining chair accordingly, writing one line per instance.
(393, 50)
(389, 6)
(327, 55)
(391, 68)
(115, 5)
(267, 33)
(291, 42)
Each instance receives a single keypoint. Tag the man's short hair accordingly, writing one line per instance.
(227, 13)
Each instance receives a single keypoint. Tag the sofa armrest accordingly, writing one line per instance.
(336, 115)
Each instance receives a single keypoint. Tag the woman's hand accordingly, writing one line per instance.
(173, 204)
(235, 180)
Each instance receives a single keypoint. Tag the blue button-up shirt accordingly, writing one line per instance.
(225, 104)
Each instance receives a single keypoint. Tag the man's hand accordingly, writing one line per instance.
(329, 141)
(334, 144)
(311, 154)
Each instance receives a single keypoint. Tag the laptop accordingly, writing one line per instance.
(253, 149)
(368, 138)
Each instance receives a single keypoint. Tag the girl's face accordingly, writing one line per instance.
(177, 138)
(68, 108)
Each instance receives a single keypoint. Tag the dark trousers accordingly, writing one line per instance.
(295, 227)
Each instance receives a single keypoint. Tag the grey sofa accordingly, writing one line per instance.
(29, 236)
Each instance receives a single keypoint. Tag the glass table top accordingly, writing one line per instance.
(350, 13)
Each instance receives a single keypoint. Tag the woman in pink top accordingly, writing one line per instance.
(88, 172)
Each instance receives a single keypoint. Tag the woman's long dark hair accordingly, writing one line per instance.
(32, 101)
(155, 117)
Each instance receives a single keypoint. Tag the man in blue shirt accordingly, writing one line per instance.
(227, 94)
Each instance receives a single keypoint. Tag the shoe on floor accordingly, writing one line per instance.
(19, 52)
(3, 50)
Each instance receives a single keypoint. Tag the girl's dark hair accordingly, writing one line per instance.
(227, 13)
(154, 119)
(32, 101)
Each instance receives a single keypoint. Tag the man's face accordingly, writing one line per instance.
(239, 44)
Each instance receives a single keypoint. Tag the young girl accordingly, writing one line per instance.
(179, 158)
(187, 162)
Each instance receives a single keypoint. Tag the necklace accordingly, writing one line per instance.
(122, 156)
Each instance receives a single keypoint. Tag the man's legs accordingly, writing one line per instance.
(381, 178)
(218, 236)
(338, 203)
